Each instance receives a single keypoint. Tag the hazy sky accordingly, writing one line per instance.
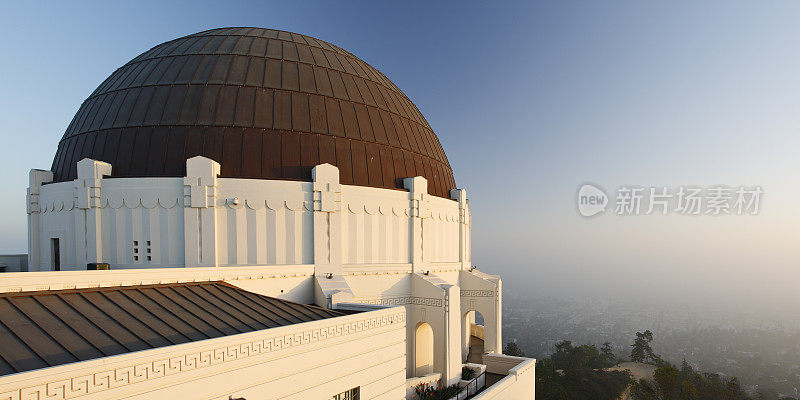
(529, 101)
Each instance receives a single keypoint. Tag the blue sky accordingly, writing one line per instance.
(529, 100)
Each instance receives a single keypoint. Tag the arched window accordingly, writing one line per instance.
(423, 353)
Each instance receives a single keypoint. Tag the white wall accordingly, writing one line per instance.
(375, 226)
(202, 220)
(278, 238)
(520, 380)
(295, 283)
(312, 360)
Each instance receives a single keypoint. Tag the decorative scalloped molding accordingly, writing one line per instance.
(56, 205)
(272, 204)
(111, 379)
(130, 202)
(372, 209)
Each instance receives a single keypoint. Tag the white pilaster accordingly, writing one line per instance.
(36, 177)
(452, 338)
(200, 212)
(418, 191)
(88, 225)
(327, 220)
(460, 195)
(330, 285)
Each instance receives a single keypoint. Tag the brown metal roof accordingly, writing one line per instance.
(264, 104)
(47, 328)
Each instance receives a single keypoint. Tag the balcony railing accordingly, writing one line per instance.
(471, 387)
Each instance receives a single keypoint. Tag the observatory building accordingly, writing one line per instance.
(255, 214)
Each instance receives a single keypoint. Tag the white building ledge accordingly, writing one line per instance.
(518, 383)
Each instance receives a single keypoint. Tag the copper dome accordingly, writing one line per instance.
(264, 104)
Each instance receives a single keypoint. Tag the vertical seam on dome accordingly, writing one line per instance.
(173, 59)
(64, 162)
(279, 75)
(150, 104)
(107, 83)
(147, 147)
(214, 51)
(241, 152)
(142, 68)
(338, 105)
(183, 98)
(185, 145)
(112, 98)
(147, 109)
(252, 110)
(272, 109)
(91, 150)
(163, 154)
(153, 70)
(96, 114)
(358, 126)
(116, 150)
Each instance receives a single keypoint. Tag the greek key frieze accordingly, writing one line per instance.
(405, 301)
(477, 293)
(109, 379)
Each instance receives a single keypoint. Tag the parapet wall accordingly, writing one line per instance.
(203, 220)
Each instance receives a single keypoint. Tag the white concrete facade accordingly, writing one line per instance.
(312, 360)
(203, 220)
(312, 242)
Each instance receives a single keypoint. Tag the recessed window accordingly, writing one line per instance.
(352, 394)
(149, 251)
(135, 250)
(55, 254)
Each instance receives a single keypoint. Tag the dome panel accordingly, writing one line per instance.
(264, 104)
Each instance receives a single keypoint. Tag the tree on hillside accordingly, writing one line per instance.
(688, 391)
(733, 390)
(576, 373)
(608, 355)
(513, 350)
(569, 357)
(686, 370)
(644, 390)
(642, 352)
(669, 383)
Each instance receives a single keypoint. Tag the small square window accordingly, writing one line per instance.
(135, 250)
(148, 250)
(148, 243)
(135, 242)
(135, 258)
(148, 258)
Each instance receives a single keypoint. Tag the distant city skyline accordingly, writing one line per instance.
(529, 100)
